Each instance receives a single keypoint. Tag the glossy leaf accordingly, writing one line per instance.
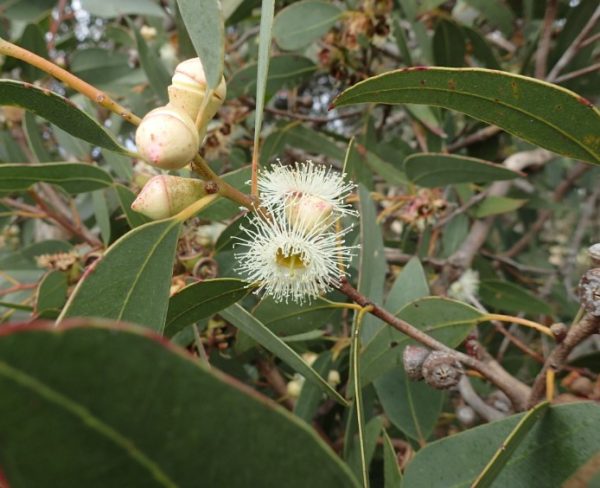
(556, 446)
(434, 169)
(131, 281)
(543, 114)
(300, 23)
(254, 328)
(118, 406)
(203, 20)
(284, 70)
(71, 177)
(201, 300)
(58, 110)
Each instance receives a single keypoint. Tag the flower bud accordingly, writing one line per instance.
(308, 212)
(167, 137)
(189, 88)
(413, 358)
(441, 370)
(164, 196)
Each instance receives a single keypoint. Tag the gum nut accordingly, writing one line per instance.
(167, 138)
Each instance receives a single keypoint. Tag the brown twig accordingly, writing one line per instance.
(479, 136)
(583, 329)
(541, 55)
(574, 48)
(276, 382)
(312, 118)
(559, 193)
(517, 392)
(580, 72)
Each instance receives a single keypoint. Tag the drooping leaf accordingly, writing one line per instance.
(203, 20)
(253, 327)
(300, 23)
(58, 110)
(155, 70)
(434, 169)
(201, 300)
(118, 406)
(131, 281)
(543, 114)
(554, 448)
(71, 177)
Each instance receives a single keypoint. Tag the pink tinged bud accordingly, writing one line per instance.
(167, 138)
(309, 212)
(164, 196)
(189, 88)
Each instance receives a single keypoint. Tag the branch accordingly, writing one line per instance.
(587, 326)
(541, 55)
(515, 390)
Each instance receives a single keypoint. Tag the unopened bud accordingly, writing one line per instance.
(164, 196)
(334, 378)
(559, 330)
(310, 358)
(294, 387)
(441, 370)
(413, 358)
(167, 137)
(308, 212)
(189, 88)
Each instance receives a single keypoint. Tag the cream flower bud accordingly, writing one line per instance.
(309, 212)
(189, 88)
(164, 196)
(167, 137)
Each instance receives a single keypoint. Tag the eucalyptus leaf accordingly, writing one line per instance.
(538, 112)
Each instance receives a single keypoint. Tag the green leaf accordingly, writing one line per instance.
(449, 321)
(413, 407)
(556, 446)
(311, 395)
(155, 70)
(434, 169)
(120, 407)
(102, 214)
(203, 20)
(284, 70)
(58, 110)
(51, 292)
(35, 140)
(253, 327)
(372, 265)
(497, 13)
(201, 300)
(116, 8)
(508, 447)
(494, 205)
(448, 44)
(509, 297)
(71, 177)
(543, 114)
(410, 285)
(300, 23)
(392, 475)
(131, 281)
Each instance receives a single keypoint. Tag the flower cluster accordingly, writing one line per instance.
(297, 251)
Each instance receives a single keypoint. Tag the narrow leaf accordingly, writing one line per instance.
(539, 112)
(58, 110)
(201, 300)
(203, 20)
(153, 66)
(432, 170)
(71, 177)
(253, 327)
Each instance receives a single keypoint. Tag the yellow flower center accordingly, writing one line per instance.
(292, 260)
